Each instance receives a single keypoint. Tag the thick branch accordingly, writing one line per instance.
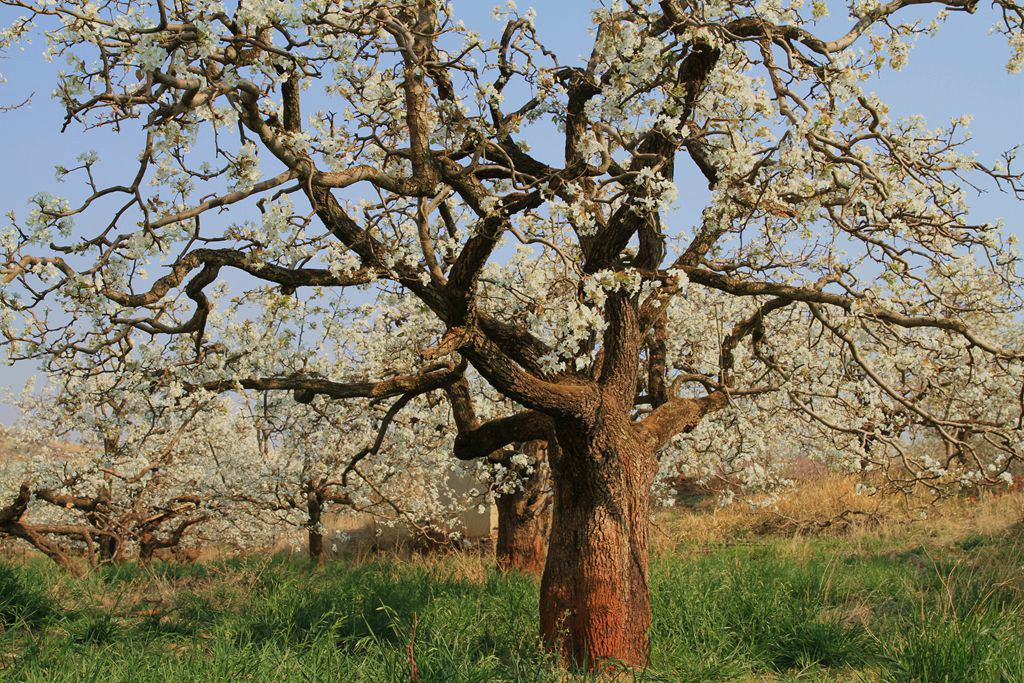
(432, 377)
(678, 416)
(494, 435)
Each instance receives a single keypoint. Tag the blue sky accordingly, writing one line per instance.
(960, 71)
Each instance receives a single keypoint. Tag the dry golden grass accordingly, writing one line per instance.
(991, 513)
(830, 504)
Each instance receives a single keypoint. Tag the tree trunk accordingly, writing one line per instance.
(524, 517)
(107, 546)
(147, 549)
(595, 604)
(315, 538)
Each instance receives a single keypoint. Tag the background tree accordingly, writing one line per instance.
(108, 471)
(329, 459)
(396, 146)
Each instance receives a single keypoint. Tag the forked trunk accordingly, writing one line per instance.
(595, 604)
(524, 517)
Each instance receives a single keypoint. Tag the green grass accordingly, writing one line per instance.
(776, 610)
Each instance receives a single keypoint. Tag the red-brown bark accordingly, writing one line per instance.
(595, 604)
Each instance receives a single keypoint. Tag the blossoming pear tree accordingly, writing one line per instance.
(255, 466)
(342, 457)
(953, 422)
(119, 472)
(384, 145)
(107, 472)
(393, 438)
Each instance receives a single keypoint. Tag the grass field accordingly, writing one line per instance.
(930, 602)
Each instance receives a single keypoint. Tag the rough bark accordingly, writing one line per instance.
(524, 518)
(595, 604)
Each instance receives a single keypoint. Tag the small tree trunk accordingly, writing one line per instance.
(315, 508)
(107, 548)
(595, 604)
(147, 549)
(106, 545)
(524, 517)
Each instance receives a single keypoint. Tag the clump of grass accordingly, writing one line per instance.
(751, 609)
(23, 599)
(93, 628)
(966, 626)
(942, 649)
